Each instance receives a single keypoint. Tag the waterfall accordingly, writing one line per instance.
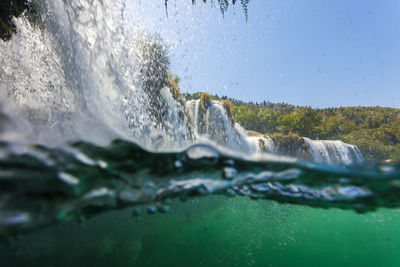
(213, 123)
(216, 124)
(334, 152)
(81, 74)
(84, 75)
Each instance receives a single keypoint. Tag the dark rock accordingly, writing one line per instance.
(10, 9)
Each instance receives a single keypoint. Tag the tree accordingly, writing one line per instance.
(222, 4)
(153, 62)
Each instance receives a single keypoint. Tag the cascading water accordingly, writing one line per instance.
(212, 121)
(334, 152)
(82, 76)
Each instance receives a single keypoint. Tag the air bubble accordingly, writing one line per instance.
(178, 164)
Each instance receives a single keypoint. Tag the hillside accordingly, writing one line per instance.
(375, 130)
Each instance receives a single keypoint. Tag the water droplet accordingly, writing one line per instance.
(178, 164)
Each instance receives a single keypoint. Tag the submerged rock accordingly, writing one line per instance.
(136, 212)
(163, 208)
(151, 209)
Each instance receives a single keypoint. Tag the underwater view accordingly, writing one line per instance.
(199, 133)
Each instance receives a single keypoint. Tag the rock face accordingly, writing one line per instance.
(10, 9)
(323, 151)
(291, 145)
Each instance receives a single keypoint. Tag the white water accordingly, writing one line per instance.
(261, 144)
(213, 123)
(333, 152)
(81, 76)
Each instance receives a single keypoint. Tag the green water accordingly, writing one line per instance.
(216, 231)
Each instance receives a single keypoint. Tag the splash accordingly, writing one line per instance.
(82, 75)
(44, 186)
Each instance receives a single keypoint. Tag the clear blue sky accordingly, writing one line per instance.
(319, 53)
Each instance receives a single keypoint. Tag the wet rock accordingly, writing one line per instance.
(10, 9)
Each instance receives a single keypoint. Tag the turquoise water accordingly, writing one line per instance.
(42, 186)
(120, 205)
(217, 231)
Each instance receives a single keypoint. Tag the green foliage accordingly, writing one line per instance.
(154, 62)
(205, 101)
(177, 95)
(291, 144)
(228, 108)
(223, 6)
(173, 82)
(374, 130)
